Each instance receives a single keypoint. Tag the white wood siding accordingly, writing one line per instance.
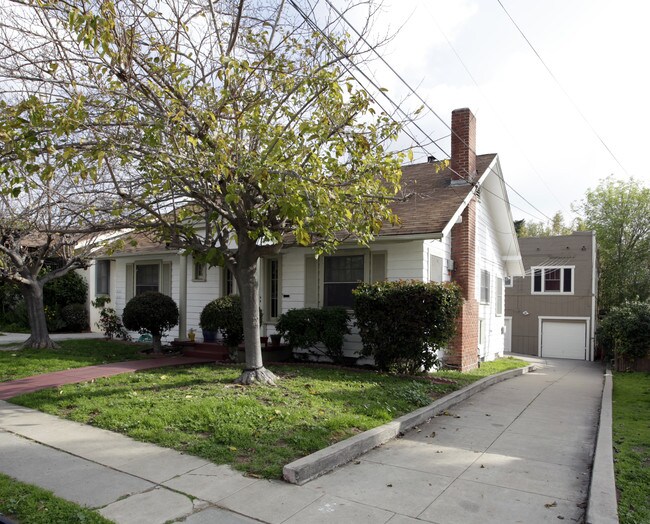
(489, 258)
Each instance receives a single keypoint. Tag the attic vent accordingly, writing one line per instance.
(431, 159)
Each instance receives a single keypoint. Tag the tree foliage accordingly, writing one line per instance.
(556, 227)
(625, 330)
(233, 130)
(619, 212)
(402, 324)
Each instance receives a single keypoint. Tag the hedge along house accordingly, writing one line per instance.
(551, 310)
(455, 225)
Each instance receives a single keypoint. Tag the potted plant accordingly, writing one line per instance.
(276, 338)
(209, 321)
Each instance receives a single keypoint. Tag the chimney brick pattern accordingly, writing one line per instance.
(463, 145)
(463, 350)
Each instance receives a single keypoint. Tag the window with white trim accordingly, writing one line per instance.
(272, 289)
(200, 272)
(229, 284)
(499, 296)
(342, 274)
(147, 278)
(485, 286)
(553, 280)
(102, 277)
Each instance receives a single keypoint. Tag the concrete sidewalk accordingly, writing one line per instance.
(519, 451)
(19, 338)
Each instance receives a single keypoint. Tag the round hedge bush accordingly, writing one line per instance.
(151, 312)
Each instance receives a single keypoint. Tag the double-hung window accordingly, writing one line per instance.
(147, 278)
(342, 275)
(154, 275)
(485, 287)
(553, 280)
(102, 277)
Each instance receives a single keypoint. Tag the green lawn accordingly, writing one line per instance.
(31, 505)
(631, 434)
(258, 429)
(72, 354)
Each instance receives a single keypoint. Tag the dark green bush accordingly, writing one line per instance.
(403, 323)
(308, 327)
(71, 288)
(75, 317)
(151, 312)
(625, 330)
(224, 315)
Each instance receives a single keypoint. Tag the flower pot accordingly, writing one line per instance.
(264, 341)
(209, 336)
(276, 338)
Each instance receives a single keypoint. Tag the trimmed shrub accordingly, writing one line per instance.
(75, 317)
(625, 331)
(308, 327)
(151, 312)
(402, 324)
(224, 315)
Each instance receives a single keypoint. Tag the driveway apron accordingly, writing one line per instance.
(521, 451)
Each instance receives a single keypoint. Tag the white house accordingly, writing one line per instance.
(456, 225)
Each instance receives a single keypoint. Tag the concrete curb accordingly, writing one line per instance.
(602, 504)
(312, 466)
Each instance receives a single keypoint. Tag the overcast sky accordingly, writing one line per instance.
(598, 51)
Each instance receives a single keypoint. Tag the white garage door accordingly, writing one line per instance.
(564, 339)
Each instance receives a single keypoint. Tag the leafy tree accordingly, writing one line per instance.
(151, 312)
(555, 227)
(235, 127)
(625, 330)
(619, 212)
(46, 232)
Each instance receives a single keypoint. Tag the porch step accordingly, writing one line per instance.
(207, 350)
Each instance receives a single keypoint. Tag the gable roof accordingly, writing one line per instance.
(433, 200)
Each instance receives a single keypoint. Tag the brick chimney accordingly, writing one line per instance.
(463, 349)
(463, 145)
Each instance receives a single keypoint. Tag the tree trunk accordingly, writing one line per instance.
(156, 344)
(40, 338)
(255, 372)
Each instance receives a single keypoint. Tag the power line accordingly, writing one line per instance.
(564, 91)
(424, 102)
(469, 73)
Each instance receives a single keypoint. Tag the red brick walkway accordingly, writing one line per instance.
(72, 376)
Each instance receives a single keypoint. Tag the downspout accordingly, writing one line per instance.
(594, 294)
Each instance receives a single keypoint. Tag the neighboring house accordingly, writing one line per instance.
(455, 225)
(551, 311)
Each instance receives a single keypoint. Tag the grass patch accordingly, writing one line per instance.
(631, 435)
(71, 354)
(31, 505)
(259, 429)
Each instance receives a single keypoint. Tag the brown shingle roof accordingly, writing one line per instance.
(433, 199)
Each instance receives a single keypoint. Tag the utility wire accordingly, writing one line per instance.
(575, 106)
(471, 76)
(336, 48)
(424, 102)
